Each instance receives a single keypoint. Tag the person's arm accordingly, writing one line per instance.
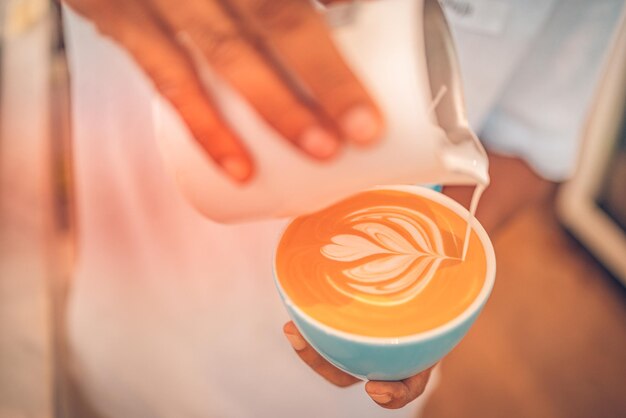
(278, 54)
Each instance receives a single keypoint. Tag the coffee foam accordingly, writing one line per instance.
(382, 263)
(390, 265)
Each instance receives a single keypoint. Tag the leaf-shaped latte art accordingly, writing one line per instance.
(393, 253)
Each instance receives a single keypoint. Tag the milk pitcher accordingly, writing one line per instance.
(403, 52)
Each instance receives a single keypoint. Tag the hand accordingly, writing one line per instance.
(390, 395)
(278, 54)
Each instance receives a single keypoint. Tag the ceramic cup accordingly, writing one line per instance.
(373, 358)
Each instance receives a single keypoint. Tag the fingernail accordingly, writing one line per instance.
(360, 124)
(381, 398)
(296, 341)
(236, 167)
(318, 142)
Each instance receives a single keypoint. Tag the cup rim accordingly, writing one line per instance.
(474, 307)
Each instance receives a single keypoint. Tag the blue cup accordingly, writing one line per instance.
(374, 358)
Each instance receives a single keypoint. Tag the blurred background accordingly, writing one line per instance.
(550, 343)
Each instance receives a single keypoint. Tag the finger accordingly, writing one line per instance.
(174, 77)
(314, 360)
(210, 31)
(394, 395)
(325, 2)
(288, 25)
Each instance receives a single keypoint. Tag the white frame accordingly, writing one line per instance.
(576, 201)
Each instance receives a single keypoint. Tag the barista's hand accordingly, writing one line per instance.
(278, 54)
(390, 395)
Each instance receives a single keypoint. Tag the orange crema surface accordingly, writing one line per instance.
(381, 263)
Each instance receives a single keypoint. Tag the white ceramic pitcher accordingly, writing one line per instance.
(402, 51)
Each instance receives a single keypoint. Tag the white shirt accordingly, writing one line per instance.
(529, 80)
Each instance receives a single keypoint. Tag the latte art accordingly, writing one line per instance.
(382, 263)
(387, 263)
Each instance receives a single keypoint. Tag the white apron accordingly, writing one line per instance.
(171, 315)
